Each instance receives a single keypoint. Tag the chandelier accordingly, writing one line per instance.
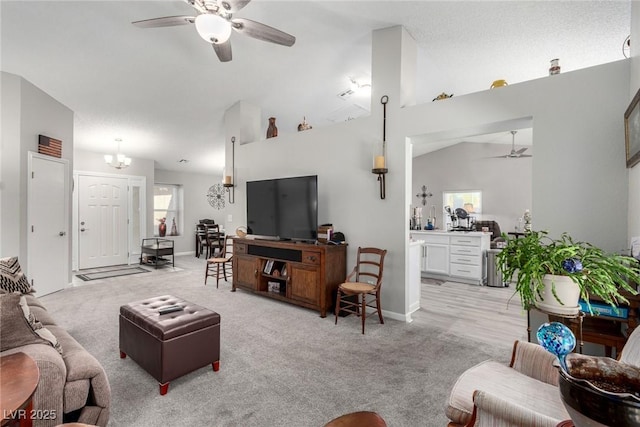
(119, 161)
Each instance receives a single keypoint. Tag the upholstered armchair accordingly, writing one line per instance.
(523, 393)
(494, 229)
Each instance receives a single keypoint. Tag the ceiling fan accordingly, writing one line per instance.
(514, 154)
(215, 21)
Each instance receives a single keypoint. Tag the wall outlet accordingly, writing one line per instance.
(229, 218)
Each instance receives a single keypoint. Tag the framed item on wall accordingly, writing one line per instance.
(632, 131)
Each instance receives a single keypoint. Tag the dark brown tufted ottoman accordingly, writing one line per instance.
(169, 345)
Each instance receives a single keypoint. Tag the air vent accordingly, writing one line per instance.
(345, 94)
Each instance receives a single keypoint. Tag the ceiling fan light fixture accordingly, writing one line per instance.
(213, 28)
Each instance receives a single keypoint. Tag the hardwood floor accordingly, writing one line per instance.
(480, 313)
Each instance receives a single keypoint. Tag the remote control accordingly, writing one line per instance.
(169, 309)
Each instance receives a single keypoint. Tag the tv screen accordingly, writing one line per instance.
(286, 208)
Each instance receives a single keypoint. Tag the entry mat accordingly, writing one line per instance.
(126, 271)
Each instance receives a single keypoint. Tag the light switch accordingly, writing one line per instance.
(229, 218)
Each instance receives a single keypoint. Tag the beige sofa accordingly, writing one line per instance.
(73, 385)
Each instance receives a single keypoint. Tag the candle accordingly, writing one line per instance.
(227, 179)
(378, 162)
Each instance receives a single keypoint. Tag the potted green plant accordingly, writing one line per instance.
(542, 268)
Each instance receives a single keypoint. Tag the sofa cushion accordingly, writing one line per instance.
(12, 279)
(37, 325)
(507, 383)
(19, 326)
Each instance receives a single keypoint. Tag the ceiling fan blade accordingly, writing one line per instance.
(261, 31)
(223, 50)
(167, 21)
(522, 150)
(233, 6)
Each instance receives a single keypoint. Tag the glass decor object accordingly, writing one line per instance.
(558, 340)
(555, 67)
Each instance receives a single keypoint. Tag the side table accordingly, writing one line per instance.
(357, 419)
(18, 382)
(154, 249)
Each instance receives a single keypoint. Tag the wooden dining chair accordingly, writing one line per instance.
(363, 283)
(201, 239)
(222, 262)
(214, 239)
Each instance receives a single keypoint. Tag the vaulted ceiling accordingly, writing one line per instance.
(164, 92)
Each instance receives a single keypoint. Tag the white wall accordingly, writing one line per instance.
(579, 179)
(634, 173)
(196, 206)
(505, 183)
(26, 113)
(579, 176)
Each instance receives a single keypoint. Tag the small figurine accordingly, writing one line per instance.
(441, 96)
(304, 125)
(527, 221)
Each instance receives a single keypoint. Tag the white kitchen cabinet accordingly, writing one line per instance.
(415, 286)
(454, 255)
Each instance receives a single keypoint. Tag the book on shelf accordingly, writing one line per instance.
(268, 266)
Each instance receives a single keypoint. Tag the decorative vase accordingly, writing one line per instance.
(272, 130)
(174, 229)
(567, 291)
(162, 229)
(590, 405)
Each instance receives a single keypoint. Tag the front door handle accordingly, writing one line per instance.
(82, 229)
(62, 233)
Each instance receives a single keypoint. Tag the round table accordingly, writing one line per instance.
(18, 382)
(357, 419)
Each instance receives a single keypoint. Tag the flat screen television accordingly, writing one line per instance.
(284, 208)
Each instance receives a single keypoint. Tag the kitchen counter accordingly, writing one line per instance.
(459, 256)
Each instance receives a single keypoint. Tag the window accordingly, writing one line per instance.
(470, 201)
(167, 204)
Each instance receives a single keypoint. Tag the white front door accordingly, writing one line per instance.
(102, 221)
(48, 240)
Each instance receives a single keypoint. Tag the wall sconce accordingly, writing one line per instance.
(228, 181)
(380, 151)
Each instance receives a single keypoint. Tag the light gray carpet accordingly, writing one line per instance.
(281, 365)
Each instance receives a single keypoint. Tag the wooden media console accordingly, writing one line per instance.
(304, 274)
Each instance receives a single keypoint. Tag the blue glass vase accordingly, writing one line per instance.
(557, 339)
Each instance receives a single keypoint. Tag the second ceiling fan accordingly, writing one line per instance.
(214, 23)
(514, 154)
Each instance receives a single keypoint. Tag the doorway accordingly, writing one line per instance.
(48, 226)
(109, 216)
